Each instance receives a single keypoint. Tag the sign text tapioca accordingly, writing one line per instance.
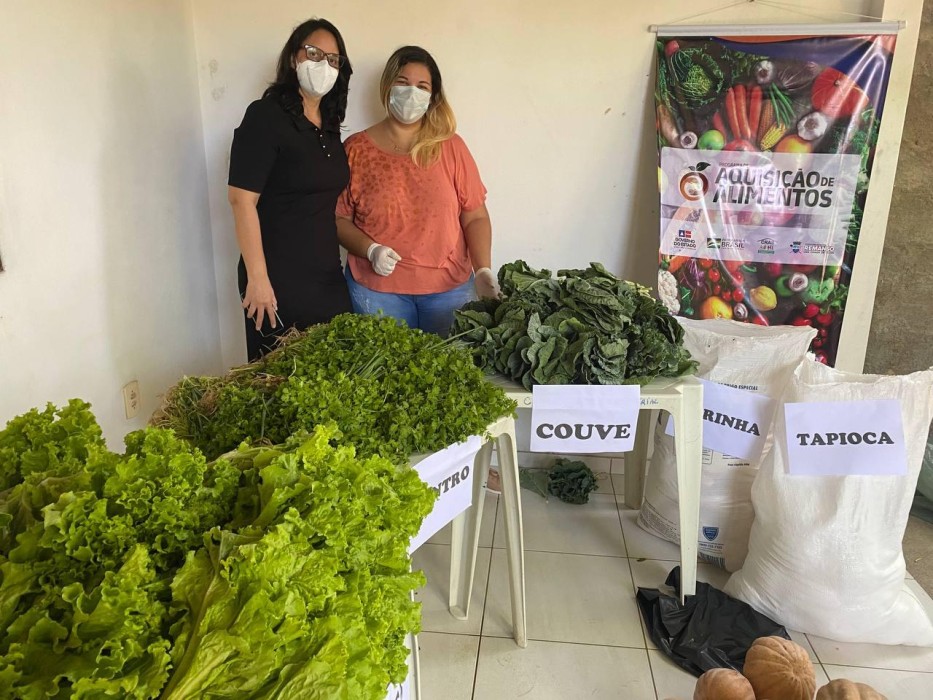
(854, 438)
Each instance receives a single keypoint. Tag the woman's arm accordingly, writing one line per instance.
(477, 229)
(259, 300)
(352, 238)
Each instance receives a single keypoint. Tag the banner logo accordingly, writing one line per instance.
(684, 240)
(693, 183)
(710, 533)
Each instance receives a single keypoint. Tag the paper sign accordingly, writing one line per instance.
(402, 691)
(450, 473)
(399, 692)
(584, 419)
(736, 422)
(846, 438)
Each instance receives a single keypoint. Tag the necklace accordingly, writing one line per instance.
(399, 149)
(395, 146)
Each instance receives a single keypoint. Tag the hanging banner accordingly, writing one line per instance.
(766, 147)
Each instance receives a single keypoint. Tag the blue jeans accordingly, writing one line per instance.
(433, 313)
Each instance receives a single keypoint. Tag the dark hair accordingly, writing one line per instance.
(285, 87)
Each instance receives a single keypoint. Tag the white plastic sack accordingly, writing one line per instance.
(755, 358)
(825, 553)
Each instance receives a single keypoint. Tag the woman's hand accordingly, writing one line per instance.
(259, 301)
(477, 230)
(487, 286)
(383, 259)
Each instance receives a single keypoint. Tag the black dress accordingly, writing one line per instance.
(299, 171)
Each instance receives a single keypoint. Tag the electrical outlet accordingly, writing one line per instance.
(131, 399)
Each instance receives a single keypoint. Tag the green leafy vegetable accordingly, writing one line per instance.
(582, 327)
(742, 63)
(393, 391)
(571, 481)
(271, 572)
(276, 566)
(96, 643)
(50, 442)
(699, 75)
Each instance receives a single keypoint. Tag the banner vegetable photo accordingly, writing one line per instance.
(766, 147)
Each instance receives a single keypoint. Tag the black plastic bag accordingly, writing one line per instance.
(712, 630)
(923, 498)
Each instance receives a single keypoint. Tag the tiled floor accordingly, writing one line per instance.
(586, 640)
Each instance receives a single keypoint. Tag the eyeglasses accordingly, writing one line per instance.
(334, 59)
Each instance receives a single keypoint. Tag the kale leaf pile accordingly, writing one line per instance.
(581, 327)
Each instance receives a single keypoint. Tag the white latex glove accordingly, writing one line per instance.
(383, 259)
(487, 286)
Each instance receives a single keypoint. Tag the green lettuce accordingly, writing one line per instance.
(102, 642)
(271, 572)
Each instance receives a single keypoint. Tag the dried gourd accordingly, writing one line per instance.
(723, 684)
(779, 668)
(844, 689)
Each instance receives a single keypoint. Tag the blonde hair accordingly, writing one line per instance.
(439, 123)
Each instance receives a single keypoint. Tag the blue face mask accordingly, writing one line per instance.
(408, 103)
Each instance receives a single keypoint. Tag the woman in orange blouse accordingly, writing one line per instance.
(413, 218)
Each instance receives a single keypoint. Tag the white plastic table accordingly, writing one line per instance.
(464, 539)
(681, 397)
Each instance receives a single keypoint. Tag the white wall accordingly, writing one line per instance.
(554, 99)
(106, 173)
(104, 225)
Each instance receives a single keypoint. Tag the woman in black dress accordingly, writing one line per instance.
(287, 168)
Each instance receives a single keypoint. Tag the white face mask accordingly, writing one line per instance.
(408, 103)
(316, 77)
